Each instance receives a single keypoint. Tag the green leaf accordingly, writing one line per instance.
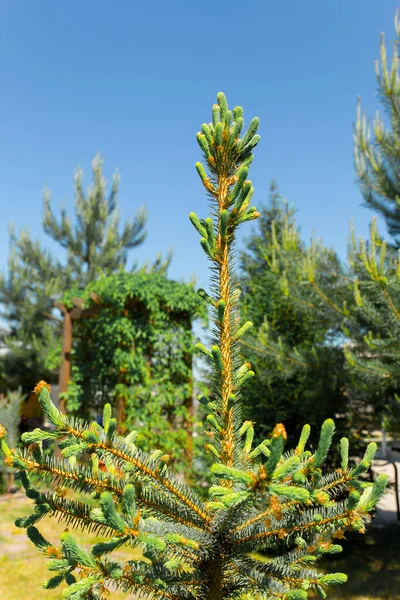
(112, 428)
(37, 435)
(344, 453)
(219, 128)
(58, 564)
(153, 542)
(333, 578)
(296, 595)
(107, 413)
(217, 356)
(206, 130)
(275, 449)
(203, 294)
(225, 472)
(201, 348)
(71, 549)
(80, 589)
(249, 440)
(110, 514)
(353, 499)
(243, 329)
(203, 176)
(370, 452)
(250, 133)
(36, 538)
(221, 98)
(373, 494)
(223, 223)
(221, 310)
(290, 492)
(109, 545)
(305, 434)
(206, 247)
(286, 468)
(128, 500)
(202, 141)
(242, 176)
(51, 412)
(216, 115)
(325, 441)
(53, 582)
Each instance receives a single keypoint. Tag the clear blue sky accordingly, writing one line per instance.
(135, 80)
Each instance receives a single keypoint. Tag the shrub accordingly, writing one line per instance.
(10, 417)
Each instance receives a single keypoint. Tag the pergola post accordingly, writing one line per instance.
(65, 368)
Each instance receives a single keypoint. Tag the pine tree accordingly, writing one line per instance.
(262, 498)
(376, 148)
(94, 244)
(373, 325)
(298, 363)
(357, 307)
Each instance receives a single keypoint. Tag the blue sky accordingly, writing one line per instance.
(135, 81)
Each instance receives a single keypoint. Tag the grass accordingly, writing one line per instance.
(372, 561)
(22, 568)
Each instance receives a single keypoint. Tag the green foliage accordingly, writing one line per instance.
(322, 330)
(376, 144)
(10, 414)
(95, 243)
(10, 418)
(265, 498)
(374, 323)
(137, 350)
(294, 345)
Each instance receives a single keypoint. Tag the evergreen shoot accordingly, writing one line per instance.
(265, 501)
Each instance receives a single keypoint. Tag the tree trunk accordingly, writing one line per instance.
(213, 571)
(65, 368)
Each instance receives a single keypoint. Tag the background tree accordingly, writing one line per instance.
(377, 144)
(328, 330)
(374, 325)
(95, 242)
(351, 324)
(296, 353)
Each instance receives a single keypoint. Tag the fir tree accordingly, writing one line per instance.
(94, 242)
(376, 144)
(262, 498)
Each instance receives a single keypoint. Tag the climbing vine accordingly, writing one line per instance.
(134, 345)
